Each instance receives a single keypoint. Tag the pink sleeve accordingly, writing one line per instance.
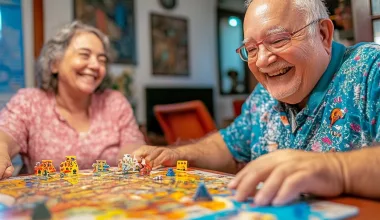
(15, 117)
(129, 130)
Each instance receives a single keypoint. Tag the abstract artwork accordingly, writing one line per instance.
(115, 18)
(169, 46)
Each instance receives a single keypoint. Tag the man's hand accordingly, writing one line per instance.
(158, 155)
(288, 173)
(6, 167)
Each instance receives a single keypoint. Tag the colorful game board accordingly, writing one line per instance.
(114, 195)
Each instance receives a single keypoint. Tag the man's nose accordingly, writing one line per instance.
(264, 57)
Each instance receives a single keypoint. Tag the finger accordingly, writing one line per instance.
(143, 151)
(272, 184)
(237, 179)
(3, 167)
(157, 167)
(267, 162)
(292, 187)
(248, 184)
(152, 155)
(8, 172)
(164, 159)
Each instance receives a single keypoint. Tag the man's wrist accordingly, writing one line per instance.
(339, 160)
(185, 154)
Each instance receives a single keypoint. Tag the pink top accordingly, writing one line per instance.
(32, 119)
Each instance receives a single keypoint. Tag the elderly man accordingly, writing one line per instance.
(314, 96)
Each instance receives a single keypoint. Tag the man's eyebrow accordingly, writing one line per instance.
(270, 31)
(275, 30)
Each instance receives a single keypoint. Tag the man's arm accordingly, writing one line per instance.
(361, 171)
(210, 153)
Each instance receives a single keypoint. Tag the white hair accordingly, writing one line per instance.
(312, 10)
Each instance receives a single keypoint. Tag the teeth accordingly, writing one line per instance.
(282, 71)
(88, 75)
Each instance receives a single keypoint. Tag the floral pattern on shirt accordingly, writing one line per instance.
(342, 113)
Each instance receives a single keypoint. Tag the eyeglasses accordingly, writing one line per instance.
(274, 43)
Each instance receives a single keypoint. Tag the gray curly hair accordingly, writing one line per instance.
(312, 9)
(54, 50)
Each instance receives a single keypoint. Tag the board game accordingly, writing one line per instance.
(116, 195)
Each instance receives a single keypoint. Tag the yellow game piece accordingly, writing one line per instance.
(69, 166)
(181, 165)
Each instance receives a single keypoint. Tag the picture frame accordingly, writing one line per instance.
(170, 45)
(116, 19)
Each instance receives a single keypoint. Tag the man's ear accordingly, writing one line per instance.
(326, 31)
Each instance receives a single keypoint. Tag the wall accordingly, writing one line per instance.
(201, 17)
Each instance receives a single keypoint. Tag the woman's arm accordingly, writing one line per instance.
(8, 149)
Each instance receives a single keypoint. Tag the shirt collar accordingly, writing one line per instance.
(320, 89)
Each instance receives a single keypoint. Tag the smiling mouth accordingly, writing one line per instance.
(89, 75)
(280, 73)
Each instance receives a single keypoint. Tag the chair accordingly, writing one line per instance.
(238, 103)
(184, 121)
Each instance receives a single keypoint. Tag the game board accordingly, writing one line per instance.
(113, 195)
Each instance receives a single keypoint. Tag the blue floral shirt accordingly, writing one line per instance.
(342, 113)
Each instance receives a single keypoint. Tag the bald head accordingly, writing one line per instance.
(312, 9)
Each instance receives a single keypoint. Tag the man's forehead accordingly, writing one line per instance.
(267, 17)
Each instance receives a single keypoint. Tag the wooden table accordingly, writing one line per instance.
(368, 209)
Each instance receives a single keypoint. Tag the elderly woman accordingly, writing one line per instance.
(71, 113)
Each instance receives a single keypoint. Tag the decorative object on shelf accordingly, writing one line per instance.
(123, 83)
(115, 18)
(168, 4)
(169, 45)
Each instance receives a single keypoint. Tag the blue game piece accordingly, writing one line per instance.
(170, 172)
(202, 193)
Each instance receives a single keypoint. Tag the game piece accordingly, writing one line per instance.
(159, 177)
(181, 165)
(41, 212)
(44, 169)
(37, 168)
(182, 177)
(126, 165)
(170, 172)
(120, 165)
(202, 193)
(69, 167)
(145, 168)
(100, 166)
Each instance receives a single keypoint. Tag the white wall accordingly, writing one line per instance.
(201, 16)
(27, 25)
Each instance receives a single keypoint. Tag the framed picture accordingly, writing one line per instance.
(170, 45)
(115, 18)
